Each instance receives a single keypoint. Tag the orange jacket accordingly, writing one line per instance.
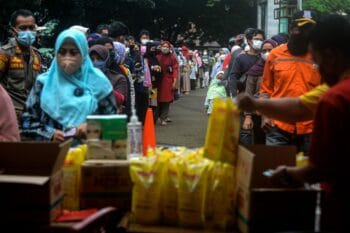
(286, 75)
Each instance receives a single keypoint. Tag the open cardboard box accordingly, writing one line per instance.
(31, 181)
(261, 206)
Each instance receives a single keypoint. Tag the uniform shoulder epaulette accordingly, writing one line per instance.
(7, 46)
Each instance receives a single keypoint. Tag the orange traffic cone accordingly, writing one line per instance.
(149, 133)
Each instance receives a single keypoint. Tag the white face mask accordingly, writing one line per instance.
(144, 41)
(257, 44)
(265, 55)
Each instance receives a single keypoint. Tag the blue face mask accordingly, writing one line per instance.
(26, 38)
(100, 65)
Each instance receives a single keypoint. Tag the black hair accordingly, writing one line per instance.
(104, 40)
(144, 32)
(20, 12)
(101, 27)
(131, 38)
(118, 28)
(253, 32)
(331, 32)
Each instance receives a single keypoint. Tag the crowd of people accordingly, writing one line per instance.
(292, 89)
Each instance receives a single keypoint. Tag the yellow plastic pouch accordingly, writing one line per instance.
(216, 130)
(223, 196)
(231, 137)
(170, 191)
(146, 174)
(192, 192)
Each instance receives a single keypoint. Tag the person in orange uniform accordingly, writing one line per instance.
(290, 72)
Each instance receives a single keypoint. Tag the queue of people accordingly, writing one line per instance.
(90, 73)
(291, 91)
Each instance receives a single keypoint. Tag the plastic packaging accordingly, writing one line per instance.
(71, 178)
(134, 145)
(146, 175)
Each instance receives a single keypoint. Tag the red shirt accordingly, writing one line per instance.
(330, 149)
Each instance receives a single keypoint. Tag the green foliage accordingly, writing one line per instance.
(187, 20)
(328, 6)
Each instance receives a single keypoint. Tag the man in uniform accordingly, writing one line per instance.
(19, 60)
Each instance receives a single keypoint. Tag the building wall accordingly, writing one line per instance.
(266, 20)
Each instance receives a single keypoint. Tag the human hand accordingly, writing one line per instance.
(248, 122)
(58, 136)
(267, 124)
(174, 85)
(81, 131)
(286, 177)
(246, 102)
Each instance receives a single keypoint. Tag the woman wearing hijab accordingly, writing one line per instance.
(67, 93)
(167, 83)
(252, 122)
(100, 57)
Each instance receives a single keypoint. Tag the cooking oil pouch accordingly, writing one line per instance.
(216, 130)
(146, 174)
(170, 189)
(231, 137)
(209, 204)
(223, 196)
(193, 177)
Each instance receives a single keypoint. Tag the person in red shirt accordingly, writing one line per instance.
(167, 83)
(330, 147)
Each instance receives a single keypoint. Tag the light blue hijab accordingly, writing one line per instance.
(57, 97)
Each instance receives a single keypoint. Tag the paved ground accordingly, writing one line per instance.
(189, 121)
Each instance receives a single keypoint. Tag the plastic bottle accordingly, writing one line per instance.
(71, 178)
(134, 128)
(134, 146)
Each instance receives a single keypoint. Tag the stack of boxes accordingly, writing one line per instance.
(105, 179)
(31, 182)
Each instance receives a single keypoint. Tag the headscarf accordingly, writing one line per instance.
(101, 51)
(258, 68)
(59, 98)
(184, 50)
(119, 50)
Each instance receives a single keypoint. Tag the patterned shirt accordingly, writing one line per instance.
(39, 126)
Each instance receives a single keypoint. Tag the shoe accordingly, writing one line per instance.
(168, 120)
(163, 123)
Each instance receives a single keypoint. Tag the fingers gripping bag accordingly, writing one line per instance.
(146, 174)
(192, 191)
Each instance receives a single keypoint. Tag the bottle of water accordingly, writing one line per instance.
(134, 146)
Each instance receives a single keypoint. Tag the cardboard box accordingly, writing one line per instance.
(261, 207)
(105, 183)
(31, 181)
(107, 135)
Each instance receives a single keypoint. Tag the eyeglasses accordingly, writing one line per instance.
(73, 52)
(26, 27)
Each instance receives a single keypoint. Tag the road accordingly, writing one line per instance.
(189, 122)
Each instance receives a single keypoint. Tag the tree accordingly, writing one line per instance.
(328, 6)
(182, 21)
